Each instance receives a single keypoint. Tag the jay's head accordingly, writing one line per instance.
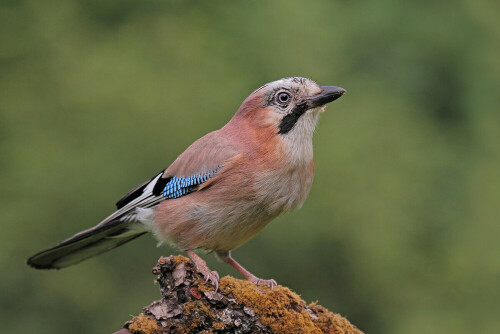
(289, 107)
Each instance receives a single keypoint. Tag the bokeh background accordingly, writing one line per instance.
(400, 232)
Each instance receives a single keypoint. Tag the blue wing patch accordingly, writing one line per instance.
(180, 186)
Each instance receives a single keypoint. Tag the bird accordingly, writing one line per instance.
(224, 188)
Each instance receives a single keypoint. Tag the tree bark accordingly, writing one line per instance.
(189, 305)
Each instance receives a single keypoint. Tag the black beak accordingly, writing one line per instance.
(329, 94)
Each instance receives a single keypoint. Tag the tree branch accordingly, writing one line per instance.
(189, 305)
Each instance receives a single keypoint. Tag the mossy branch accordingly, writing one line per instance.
(189, 305)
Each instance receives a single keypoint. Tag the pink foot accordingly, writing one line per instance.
(270, 283)
(211, 276)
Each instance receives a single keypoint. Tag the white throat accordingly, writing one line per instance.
(298, 142)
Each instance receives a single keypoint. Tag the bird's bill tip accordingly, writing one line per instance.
(327, 95)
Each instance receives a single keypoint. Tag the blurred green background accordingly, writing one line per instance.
(400, 232)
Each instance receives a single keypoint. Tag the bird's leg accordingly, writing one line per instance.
(209, 275)
(226, 257)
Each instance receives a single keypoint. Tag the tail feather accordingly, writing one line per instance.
(86, 244)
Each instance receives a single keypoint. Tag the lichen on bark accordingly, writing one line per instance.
(189, 305)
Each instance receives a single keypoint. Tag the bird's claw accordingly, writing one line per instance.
(270, 283)
(210, 275)
(213, 277)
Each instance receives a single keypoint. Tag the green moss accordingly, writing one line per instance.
(199, 313)
(218, 325)
(142, 324)
(284, 311)
(180, 259)
(329, 322)
(196, 307)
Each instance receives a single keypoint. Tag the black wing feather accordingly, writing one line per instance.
(137, 191)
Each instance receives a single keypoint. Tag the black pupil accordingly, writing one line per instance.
(283, 97)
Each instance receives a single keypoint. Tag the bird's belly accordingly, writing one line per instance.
(223, 217)
(218, 225)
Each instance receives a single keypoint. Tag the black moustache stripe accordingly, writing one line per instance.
(289, 121)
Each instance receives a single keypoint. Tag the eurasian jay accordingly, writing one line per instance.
(224, 188)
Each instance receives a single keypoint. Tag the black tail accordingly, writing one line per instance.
(85, 244)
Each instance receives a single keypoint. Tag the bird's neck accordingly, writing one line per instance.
(297, 143)
(259, 137)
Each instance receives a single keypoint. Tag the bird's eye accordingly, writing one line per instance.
(283, 98)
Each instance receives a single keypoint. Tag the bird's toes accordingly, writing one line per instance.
(270, 283)
(213, 277)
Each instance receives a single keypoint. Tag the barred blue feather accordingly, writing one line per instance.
(180, 186)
